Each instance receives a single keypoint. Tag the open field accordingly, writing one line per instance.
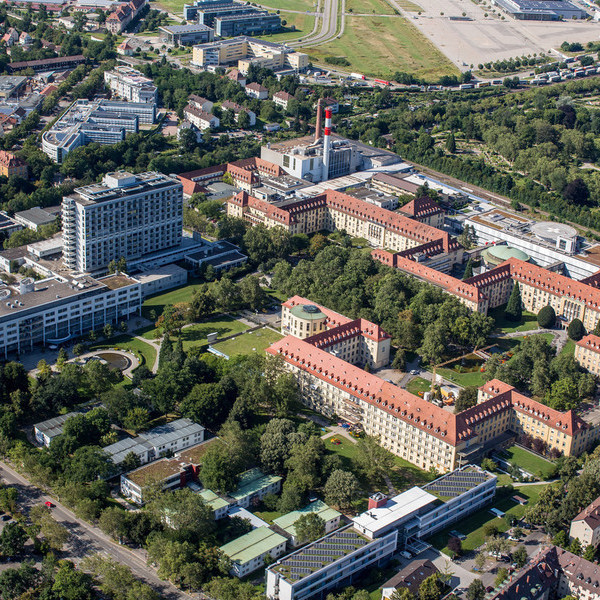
(380, 46)
(253, 341)
(304, 25)
(530, 462)
(473, 526)
(126, 342)
(463, 379)
(408, 5)
(282, 5)
(482, 39)
(195, 335)
(378, 7)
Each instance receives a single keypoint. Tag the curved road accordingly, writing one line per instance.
(328, 26)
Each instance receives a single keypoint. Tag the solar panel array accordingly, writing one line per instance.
(455, 484)
(321, 553)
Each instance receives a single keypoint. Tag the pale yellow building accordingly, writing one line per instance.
(587, 353)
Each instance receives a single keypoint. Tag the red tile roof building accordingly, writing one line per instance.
(586, 525)
(587, 353)
(425, 210)
(328, 368)
(123, 15)
(334, 210)
(11, 164)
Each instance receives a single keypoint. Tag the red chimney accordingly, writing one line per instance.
(377, 501)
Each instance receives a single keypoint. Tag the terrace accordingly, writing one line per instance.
(319, 554)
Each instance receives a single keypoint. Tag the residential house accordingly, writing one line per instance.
(255, 90)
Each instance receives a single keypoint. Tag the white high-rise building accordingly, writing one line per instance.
(126, 215)
(131, 85)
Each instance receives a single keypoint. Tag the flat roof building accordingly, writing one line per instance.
(330, 516)
(35, 217)
(10, 85)
(186, 35)
(131, 85)
(253, 486)
(46, 431)
(248, 552)
(541, 10)
(125, 215)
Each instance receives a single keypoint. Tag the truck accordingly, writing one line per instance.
(357, 76)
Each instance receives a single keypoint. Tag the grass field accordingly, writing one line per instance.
(282, 5)
(462, 379)
(158, 302)
(527, 323)
(379, 7)
(304, 25)
(568, 348)
(473, 526)
(380, 46)
(195, 335)
(126, 342)
(418, 384)
(253, 341)
(530, 462)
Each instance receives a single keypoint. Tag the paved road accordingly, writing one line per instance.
(328, 26)
(87, 540)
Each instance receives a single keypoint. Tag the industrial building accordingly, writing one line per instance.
(186, 35)
(190, 11)
(131, 85)
(129, 216)
(100, 121)
(541, 10)
(10, 85)
(36, 217)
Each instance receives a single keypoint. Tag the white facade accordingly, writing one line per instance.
(131, 85)
(53, 311)
(125, 216)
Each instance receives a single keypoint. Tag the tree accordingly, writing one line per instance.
(373, 460)
(218, 471)
(455, 545)
(501, 576)
(12, 539)
(14, 583)
(467, 397)
(514, 308)
(480, 560)
(309, 527)
(78, 349)
(431, 588)
(341, 489)
(70, 584)
(451, 143)
(488, 464)
(575, 547)
(520, 556)
(402, 593)
(137, 419)
(546, 317)
(476, 591)
(468, 269)
(576, 330)
(590, 553)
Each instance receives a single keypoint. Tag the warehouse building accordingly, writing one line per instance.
(541, 10)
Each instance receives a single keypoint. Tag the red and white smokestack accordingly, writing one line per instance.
(326, 144)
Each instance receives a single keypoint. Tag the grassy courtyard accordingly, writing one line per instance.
(529, 461)
(247, 343)
(503, 325)
(157, 303)
(195, 335)
(380, 46)
(418, 384)
(473, 526)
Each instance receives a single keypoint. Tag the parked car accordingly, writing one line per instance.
(405, 553)
(6, 517)
(49, 504)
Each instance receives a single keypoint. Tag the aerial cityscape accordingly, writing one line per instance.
(300, 300)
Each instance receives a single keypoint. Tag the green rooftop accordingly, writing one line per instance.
(255, 543)
(214, 501)
(310, 312)
(251, 482)
(286, 522)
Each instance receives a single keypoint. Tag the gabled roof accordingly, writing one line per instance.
(256, 87)
(283, 96)
(590, 514)
(421, 207)
(590, 342)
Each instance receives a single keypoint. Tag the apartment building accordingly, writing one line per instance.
(248, 552)
(237, 110)
(131, 85)
(424, 210)
(124, 13)
(586, 525)
(52, 311)
(125, 215)
(282, 99)
(409, 426)
(587, 353)
(12, 166)
(200, 119)
(257, 91)
(553, 573)
(200, 103)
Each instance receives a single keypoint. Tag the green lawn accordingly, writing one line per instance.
(253, 341)
(473, 526)
(283, 5)
(463, 379)
(530, 462)
(195, 335)
(568, 348)
(418, 384)
(144, 351)
(158, 302)
(527, 323)
(346, 450)
(380, 46)
(268, 516)
(302, 22)
(379, 7)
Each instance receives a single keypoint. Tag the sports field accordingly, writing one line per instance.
(380, 46)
